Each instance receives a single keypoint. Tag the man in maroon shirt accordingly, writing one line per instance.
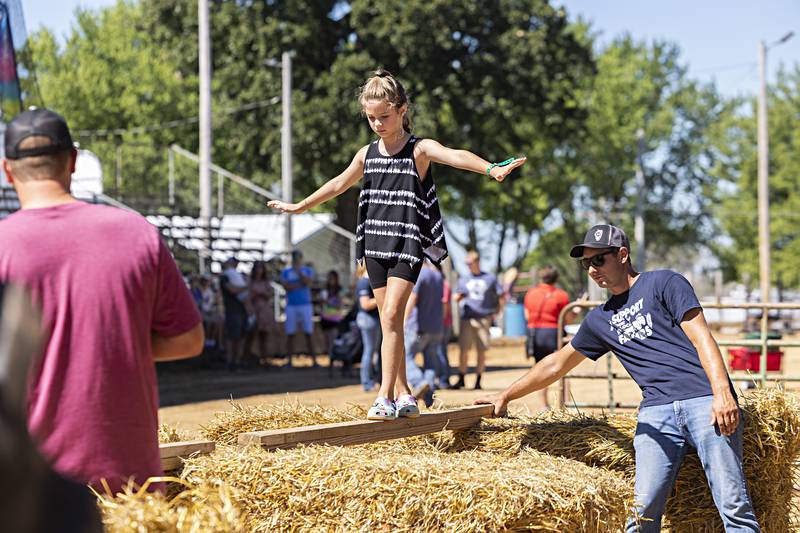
(112, 301)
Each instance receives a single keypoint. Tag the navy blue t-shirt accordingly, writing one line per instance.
(363, 288)
(428, 315)
(642, 328)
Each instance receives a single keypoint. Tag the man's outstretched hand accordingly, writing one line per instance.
(500, 404)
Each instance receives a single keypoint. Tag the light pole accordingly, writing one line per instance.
(204, 46)
(286, 139)
(638, 227)
(763, 169)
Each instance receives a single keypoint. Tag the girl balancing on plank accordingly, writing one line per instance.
(399, 221)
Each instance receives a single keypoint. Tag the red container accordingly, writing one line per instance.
(747, 359)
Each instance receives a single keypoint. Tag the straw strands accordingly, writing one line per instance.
(202, 508)
(361, 488)
(227, 425)
(167, 434)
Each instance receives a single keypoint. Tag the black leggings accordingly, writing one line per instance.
(380, 270)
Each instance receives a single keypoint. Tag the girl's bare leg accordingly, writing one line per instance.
(392, 301)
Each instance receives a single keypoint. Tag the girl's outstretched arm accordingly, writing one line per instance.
(331, 189)
(466, 160)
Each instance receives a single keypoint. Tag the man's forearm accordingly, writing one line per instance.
(542, 374)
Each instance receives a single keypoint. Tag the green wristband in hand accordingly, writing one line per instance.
(500, 164)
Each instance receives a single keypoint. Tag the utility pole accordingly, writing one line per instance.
(763, 177)
(638, 226)
(205, 126)
(763, 170)
(286, 143)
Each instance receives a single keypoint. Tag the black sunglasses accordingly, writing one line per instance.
(596, 260)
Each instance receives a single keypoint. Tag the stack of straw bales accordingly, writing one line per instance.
(559, 472)
(362, 488)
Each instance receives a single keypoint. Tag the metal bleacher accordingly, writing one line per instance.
(8, 201)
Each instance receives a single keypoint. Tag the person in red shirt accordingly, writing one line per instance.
(113, 302)
(543, 305)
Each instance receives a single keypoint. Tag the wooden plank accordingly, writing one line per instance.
(173, 453)
(364, 431)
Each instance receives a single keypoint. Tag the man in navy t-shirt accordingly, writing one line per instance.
(654, 324)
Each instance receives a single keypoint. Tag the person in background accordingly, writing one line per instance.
(447, 331)
(332, 308)
(542, 307)
(113, 303)
(297, 280)
(212, 321)
(232, 285)
(196, 289)
(480, 298)
(424, 322)
(369, 323)
(262, 297)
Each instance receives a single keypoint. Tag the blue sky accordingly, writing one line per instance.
(718, 38)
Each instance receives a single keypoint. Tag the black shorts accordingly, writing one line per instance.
(541, 342)
(380, 270)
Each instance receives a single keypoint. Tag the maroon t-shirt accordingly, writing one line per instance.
(105, 282)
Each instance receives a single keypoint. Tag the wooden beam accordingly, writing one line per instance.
(173, 453)
(363, 431)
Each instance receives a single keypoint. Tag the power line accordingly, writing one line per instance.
(175, 123)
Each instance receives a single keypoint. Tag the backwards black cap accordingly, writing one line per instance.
(37, 123)
(601, 236)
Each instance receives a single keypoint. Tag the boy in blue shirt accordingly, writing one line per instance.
(654, 324)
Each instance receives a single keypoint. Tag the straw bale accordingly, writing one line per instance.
(204, 507)
(167, 434)
(771, 448)
(227, 425)
(362, 488)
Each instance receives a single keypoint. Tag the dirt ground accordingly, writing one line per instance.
(192, 391)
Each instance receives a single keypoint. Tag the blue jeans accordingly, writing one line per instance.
(428, 344)
(663, 433)
(444, 362)
(370, 328)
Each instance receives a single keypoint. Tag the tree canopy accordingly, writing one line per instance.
(499, 78)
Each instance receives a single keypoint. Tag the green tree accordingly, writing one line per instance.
(496, 77)
(111, 76)
(737, 169)
(501, 78)
(643, 86)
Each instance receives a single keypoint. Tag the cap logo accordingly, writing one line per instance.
(598, 234)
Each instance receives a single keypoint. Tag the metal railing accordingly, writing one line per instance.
(763, 342)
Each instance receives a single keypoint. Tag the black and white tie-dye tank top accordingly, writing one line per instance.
(398, 212)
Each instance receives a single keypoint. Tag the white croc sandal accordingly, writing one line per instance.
(382, 409)
(407, 406)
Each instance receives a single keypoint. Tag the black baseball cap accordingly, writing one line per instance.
(35, 123)
(601, 236)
